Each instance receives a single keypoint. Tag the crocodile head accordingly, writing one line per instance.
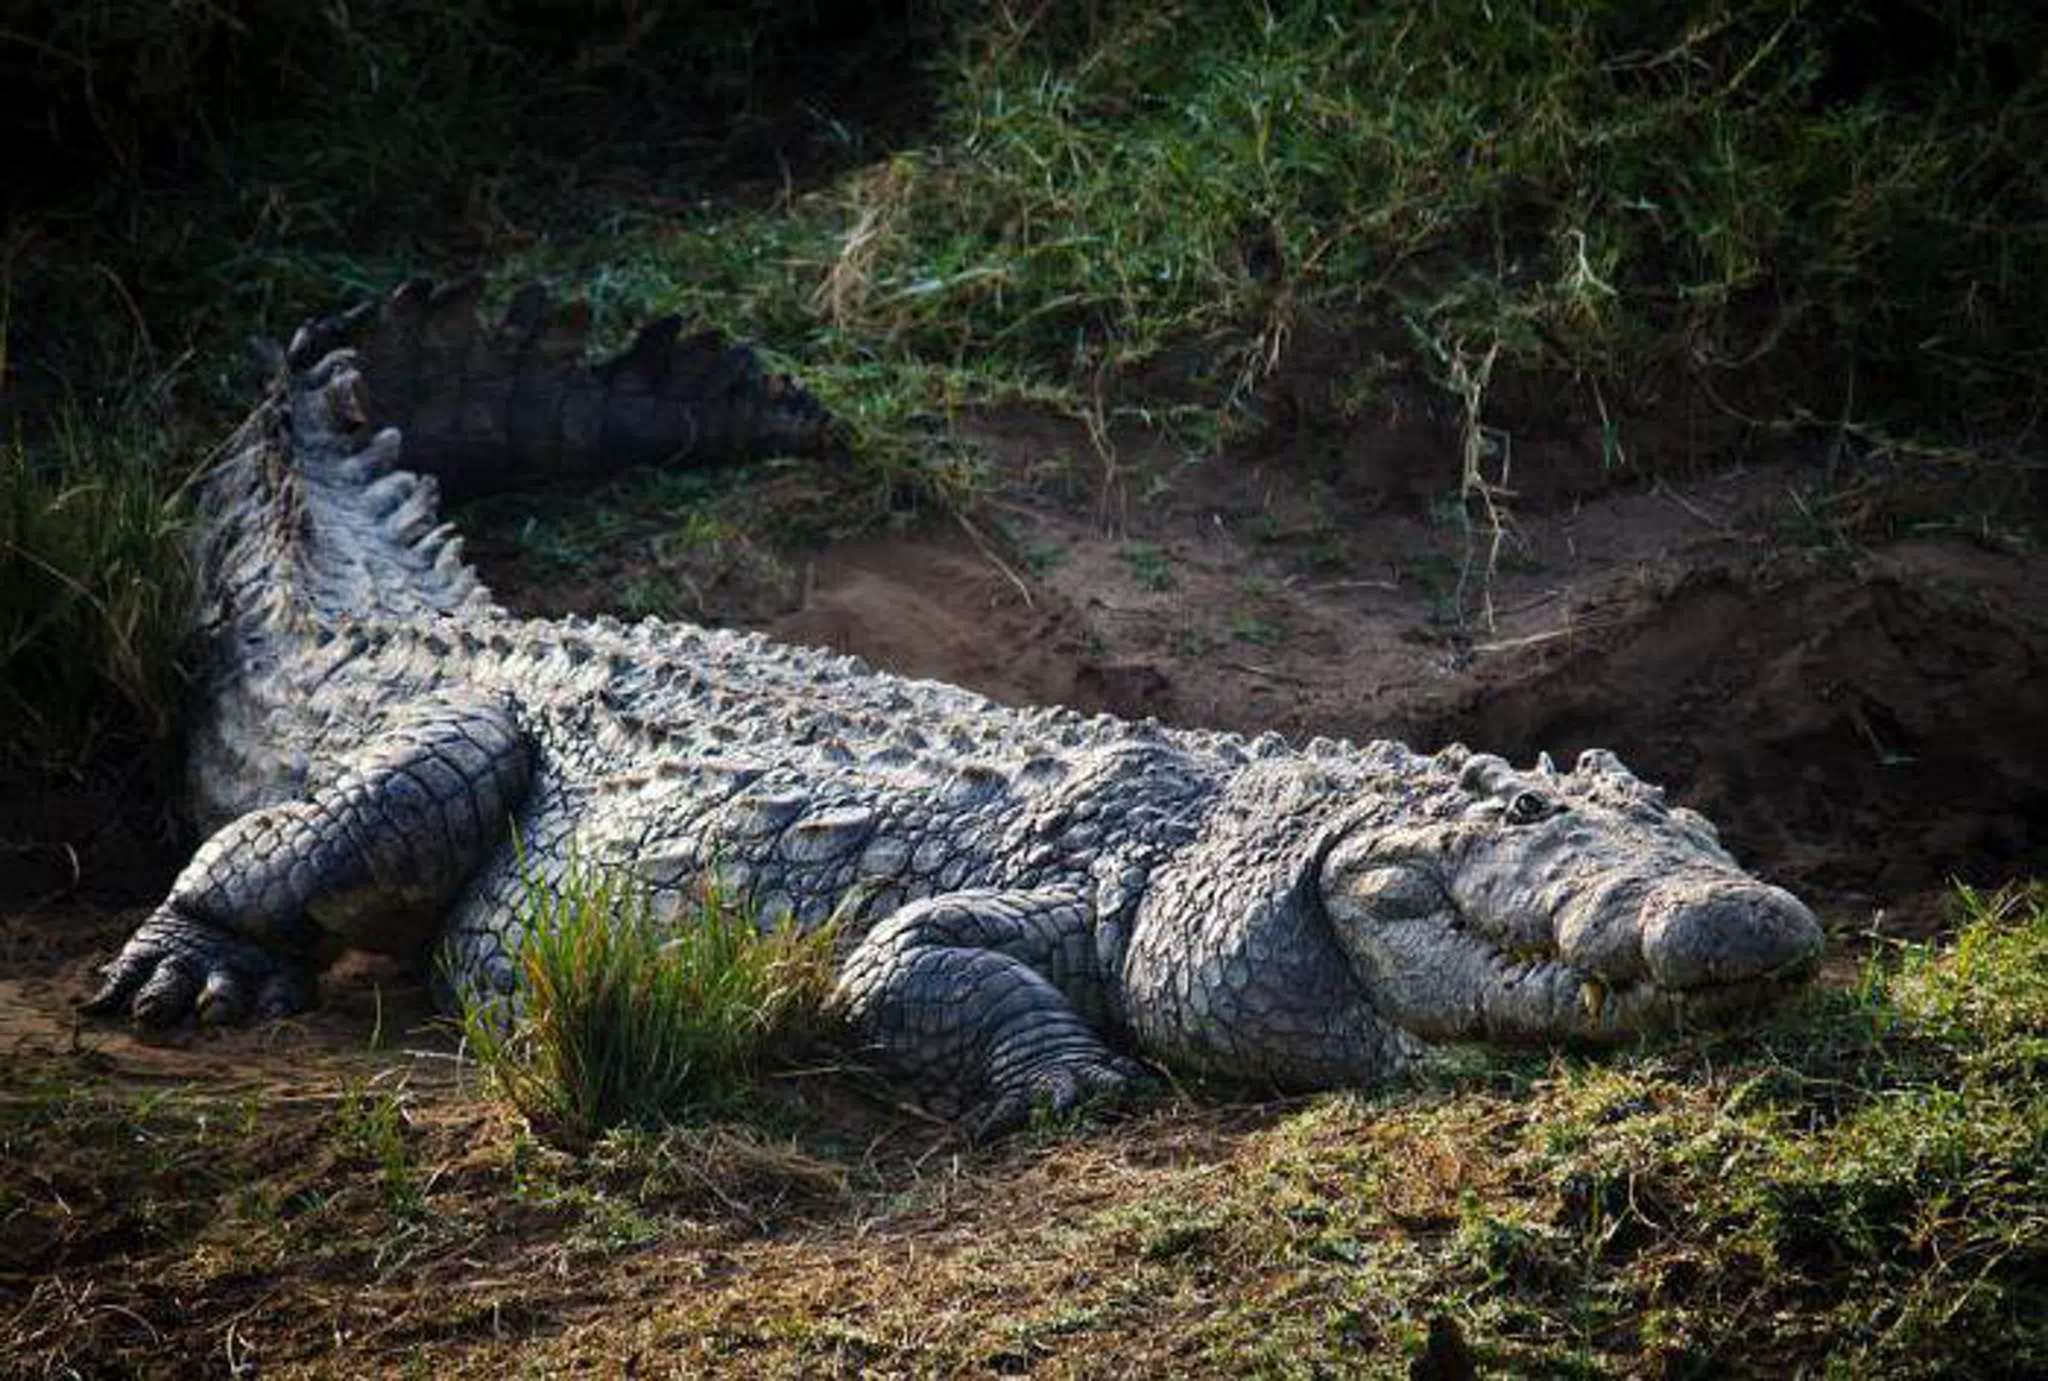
(1547, 906)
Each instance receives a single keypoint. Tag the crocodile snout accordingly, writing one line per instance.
(1712, 932)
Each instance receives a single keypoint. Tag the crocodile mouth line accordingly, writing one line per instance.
(1639, 1003)
(1757, 988)
(1657, 1007)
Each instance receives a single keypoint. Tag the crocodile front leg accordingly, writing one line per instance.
(369, 861)
(974, 999)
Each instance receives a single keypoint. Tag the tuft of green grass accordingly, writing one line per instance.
(1248, 627)
(370, 1122)
(1149, 566)
(626, 1018)
(94, 594)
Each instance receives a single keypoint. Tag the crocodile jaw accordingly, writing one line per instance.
(1709, 947)
(1710, 952)
(1602, 915)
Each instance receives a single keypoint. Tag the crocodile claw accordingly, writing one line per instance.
(173, 968)
(1057, 1091)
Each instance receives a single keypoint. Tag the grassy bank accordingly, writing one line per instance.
(1820, 227)
(1778, 215)
(1858, 1189)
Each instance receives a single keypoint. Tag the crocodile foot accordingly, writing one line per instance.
(1057, 1090)
(173, 968)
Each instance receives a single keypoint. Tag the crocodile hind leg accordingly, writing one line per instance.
(976, 1000)
(369, 861)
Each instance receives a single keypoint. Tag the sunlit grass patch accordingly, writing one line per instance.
(626, 1018)
(1868, 1173)
(1856, 1188)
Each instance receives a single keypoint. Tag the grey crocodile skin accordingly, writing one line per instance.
(384, 758)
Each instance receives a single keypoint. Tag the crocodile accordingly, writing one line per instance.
(1034, 908)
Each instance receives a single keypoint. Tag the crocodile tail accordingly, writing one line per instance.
(488, 408)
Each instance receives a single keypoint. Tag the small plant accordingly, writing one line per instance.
(627, 1019)
(657, 594)
(1250, 628)
(371, 1123)
(1043, 556)
(1149, 566)
(552, 541)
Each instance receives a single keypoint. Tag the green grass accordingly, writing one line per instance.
(1615, 193)
(1248, 627)
(1150, 567)
(1579, 216)
(370, 1123)
(1858, 1189)
(94, 593)
(627, 1019)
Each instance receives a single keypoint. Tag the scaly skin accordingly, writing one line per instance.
(387, 760)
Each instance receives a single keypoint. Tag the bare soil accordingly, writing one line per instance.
(1863, 715)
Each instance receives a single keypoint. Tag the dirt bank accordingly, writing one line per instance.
(1862, 718)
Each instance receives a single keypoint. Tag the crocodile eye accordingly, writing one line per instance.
(1530, 806)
